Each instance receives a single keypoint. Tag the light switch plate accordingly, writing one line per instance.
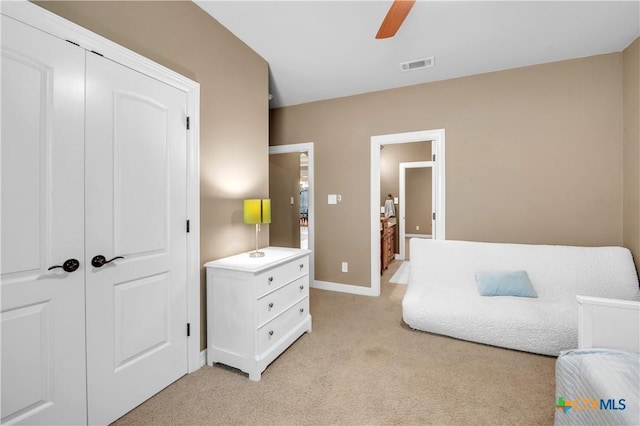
(332, 199)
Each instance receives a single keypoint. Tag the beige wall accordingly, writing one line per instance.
(533, 155)
(284, 183)
(631, 102)
(234, 106)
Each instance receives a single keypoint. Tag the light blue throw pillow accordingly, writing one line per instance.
(505, 283)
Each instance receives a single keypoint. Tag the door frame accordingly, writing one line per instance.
(306, 147)
(402, 195)
(437, 138)
(57, 26)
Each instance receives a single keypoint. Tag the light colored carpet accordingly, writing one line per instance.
(362, 365)
(402, 274)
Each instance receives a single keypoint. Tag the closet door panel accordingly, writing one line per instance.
(140, 139)
(136, 208)
(42, 314)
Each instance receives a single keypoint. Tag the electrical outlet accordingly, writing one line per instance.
(345, 267)
(417, 227)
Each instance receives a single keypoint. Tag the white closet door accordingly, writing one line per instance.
(43, 322)
(135, 208)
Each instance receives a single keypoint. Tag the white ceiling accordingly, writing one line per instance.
(326, 49)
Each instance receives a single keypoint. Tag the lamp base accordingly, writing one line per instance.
(257, 253)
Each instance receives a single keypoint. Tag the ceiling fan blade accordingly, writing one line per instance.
(395, 17)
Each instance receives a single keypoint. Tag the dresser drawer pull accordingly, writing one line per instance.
(301, 265)
(301, 287)
(270, 305)
(301, 310)
(270, 280)
(270, 332)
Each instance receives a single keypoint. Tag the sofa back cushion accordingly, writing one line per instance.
(555, 271)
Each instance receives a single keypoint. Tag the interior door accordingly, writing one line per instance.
(419, 201)
(42, 319)
(416, 212)
(135, 209)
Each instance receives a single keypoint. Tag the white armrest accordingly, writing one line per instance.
(608, 323)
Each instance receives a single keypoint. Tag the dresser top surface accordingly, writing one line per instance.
(274, 256)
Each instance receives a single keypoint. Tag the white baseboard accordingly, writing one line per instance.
(417, 236)
(344, 288)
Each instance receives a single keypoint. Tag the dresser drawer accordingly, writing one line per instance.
(274, 303)
(282, 275)
(272, 332)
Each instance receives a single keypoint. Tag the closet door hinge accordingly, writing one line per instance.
(99, 54)
(188, 329)
(72, 42)
(188, 226)
(433, 215)
(433, 157)
(188, 123)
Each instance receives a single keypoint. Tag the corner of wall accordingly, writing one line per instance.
(631, 150)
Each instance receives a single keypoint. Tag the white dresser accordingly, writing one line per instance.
(256, 307)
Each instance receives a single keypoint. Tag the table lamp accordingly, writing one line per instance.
(257, 211)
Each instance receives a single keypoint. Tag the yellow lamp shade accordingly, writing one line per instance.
(257, 211)
(266, 210)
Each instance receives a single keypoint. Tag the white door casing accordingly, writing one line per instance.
(135, 208)
(306, 147)
(43, 328)
(437, 138)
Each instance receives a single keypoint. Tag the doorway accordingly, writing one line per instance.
(294, 166)
(416, 204)
(304, 200)
(437, 138)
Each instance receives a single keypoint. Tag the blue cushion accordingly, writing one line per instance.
(505, 283)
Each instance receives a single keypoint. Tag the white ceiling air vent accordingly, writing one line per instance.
(417, 64)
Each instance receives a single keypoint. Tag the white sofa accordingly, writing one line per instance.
(442, 295)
